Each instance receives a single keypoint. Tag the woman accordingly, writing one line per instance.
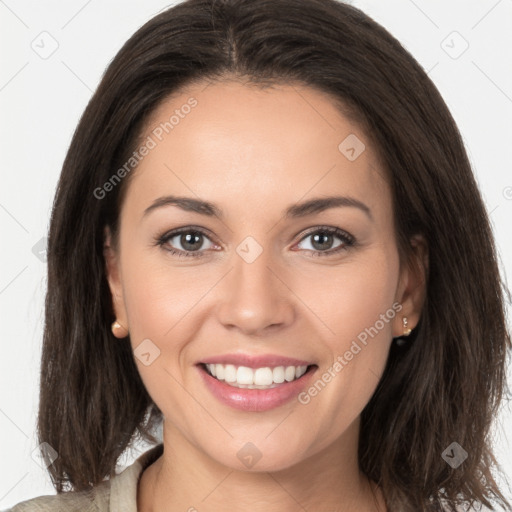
(338, 344)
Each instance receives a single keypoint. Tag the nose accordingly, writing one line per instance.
(255, 297)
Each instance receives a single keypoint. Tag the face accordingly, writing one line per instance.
(253, 274)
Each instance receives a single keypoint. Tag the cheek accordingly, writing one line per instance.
(349, 298)
(358, 341)
(157, 295)
(159, 305)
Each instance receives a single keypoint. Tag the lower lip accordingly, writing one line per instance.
(255, 400)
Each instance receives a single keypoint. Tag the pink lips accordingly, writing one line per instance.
(255, 400)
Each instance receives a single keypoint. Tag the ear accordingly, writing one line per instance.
(113, 272)
(412, 287)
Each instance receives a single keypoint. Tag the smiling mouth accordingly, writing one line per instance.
(256, 378)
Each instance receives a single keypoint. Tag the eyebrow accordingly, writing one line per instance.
(298, 210)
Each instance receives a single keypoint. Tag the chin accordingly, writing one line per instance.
(258, 457)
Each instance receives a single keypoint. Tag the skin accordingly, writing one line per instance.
(254, 152)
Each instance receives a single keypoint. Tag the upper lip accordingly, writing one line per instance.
(260, 361)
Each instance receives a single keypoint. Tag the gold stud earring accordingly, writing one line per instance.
(118, 330)
(407, 330)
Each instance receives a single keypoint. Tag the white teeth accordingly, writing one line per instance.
(245, 375)
(218, 371)
(229, 373)
(257, 378)
(278, 375)
(263, 376)
(289, 373)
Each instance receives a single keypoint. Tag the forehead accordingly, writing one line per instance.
(273, 145)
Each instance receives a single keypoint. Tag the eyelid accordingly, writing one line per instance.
(186, 229)
(328, 229)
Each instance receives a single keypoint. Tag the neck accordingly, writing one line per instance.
(186, 479)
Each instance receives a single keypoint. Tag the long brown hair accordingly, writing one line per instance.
(445, 385)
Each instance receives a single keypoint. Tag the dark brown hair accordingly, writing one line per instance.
(445, 385)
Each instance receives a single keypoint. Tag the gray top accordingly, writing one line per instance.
(119, 494)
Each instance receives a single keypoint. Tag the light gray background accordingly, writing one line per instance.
(42, 97)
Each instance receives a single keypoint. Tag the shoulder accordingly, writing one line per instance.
(120, 491)
(94, 500)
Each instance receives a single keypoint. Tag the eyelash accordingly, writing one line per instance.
(348, 241)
